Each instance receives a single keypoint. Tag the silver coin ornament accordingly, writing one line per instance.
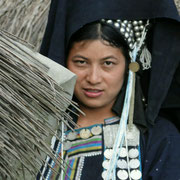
(123, 152)
(134, 163)
(106, 164)
(133, 153)
(122, 174)
(67, 145)
(85, 133)
(122, 164)
(136, 174)
(96, 130)
(108, 153)
(104, 174)
(72, 135)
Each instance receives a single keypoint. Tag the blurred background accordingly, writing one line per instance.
(27, 19)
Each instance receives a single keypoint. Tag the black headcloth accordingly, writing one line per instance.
(67, 16)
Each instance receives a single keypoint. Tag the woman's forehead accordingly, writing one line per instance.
(94, 45)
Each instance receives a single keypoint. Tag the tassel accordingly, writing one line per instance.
(145, 58)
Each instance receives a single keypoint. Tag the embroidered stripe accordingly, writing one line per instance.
(84, 150)
(70, 170)
(86, 145)
(93, 139)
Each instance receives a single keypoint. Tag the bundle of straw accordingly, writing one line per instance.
(32, 104)
(25, 19)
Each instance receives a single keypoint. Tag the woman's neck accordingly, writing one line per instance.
(94, 116)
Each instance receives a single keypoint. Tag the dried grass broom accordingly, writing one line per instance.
(34, 95)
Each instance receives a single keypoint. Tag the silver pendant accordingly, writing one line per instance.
(133, 153)
(132, 134)
(134, 163)
(71, 135)
(96, 130)
(122, 174)
(136, 174)
(85, 133)
(122, 164)
(110, 133)
(108, 153)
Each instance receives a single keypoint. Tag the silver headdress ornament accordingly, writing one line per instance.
(134, 33)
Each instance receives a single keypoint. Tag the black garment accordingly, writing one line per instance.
(162, 90)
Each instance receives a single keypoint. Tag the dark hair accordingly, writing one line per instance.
(99, 30)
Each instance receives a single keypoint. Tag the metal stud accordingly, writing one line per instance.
(137, 34)
(116, 24)
(122, 30)
(140, 22)
(126, 35)
(136, 28)
(135, 23)
(109, 21)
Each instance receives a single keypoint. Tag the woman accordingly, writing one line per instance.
(100, 53)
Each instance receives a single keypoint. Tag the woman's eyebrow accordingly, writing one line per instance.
(79, 56)
(109, 57)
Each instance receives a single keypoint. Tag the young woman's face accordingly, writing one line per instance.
(100, 69)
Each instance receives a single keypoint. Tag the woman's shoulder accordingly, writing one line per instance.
(162, 128)
(161, 151)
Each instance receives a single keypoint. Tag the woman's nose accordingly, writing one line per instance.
(94, 75)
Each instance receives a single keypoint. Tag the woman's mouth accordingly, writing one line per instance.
(93, 93)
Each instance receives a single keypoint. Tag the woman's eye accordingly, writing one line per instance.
(80, 62)
(108, 63)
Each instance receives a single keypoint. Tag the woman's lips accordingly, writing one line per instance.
(93, 92)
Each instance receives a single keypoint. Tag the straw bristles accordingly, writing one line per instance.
(26, 19)
(30, 102)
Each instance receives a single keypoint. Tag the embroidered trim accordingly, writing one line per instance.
(111, 120)
(80, 168)
(87, 154)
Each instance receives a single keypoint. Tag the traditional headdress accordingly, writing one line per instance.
(134, 33)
